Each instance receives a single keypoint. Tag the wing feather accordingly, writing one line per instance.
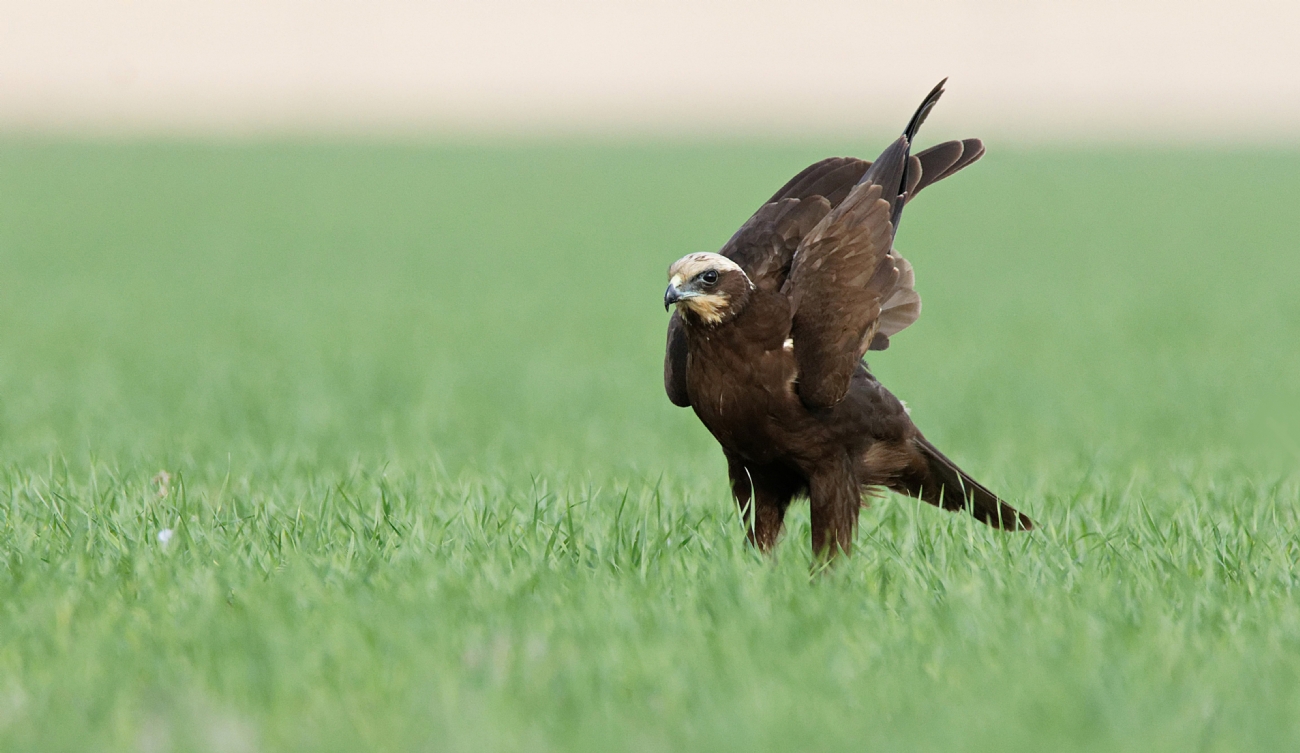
(832, 178)
(942, 160)
(841, 276)
(848, 291)
(767, 244)
(903, 306)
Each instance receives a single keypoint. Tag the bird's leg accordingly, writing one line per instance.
(763, 514)
(763, 522)
(835, 499)
(763, 501)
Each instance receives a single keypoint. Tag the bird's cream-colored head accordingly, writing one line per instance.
(710, 286)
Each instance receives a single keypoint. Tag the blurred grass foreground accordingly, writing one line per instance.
(364, 447)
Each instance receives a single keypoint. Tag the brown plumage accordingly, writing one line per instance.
(767, 341)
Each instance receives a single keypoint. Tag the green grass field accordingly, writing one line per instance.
(427, 493)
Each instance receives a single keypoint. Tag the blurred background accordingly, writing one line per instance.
(1153, 71)
(330, 224)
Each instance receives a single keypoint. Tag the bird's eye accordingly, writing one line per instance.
(710, 277)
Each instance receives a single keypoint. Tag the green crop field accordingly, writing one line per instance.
(400, 409)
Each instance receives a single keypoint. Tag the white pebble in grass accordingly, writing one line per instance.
(165, 535)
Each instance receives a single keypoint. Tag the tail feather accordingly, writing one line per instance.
(947, 486)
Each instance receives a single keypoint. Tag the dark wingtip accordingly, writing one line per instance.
(923, 111)
(893, 166)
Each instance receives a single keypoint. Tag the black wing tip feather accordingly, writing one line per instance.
(923, 111)
(892, 166)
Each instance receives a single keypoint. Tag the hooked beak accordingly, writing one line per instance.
(672, 295)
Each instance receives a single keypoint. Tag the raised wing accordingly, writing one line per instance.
(765, 246)
(844, 276)
(841, 276)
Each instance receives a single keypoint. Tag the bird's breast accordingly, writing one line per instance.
(744, 399)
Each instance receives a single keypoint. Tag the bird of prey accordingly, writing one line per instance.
(767, 340)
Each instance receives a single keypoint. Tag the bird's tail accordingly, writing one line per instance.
(947, 486)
